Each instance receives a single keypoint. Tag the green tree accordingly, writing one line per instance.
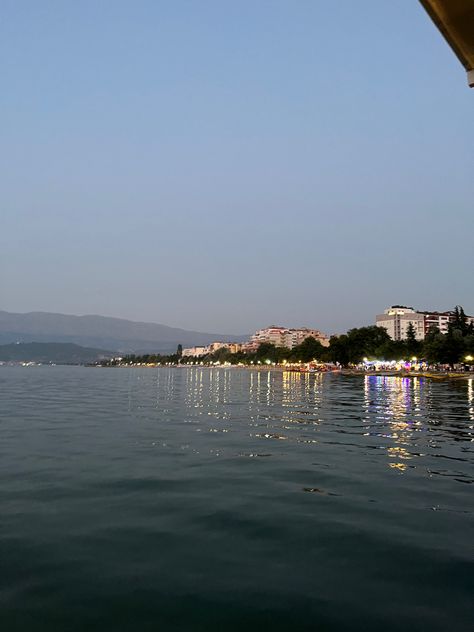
(412, 345)
(339, 349)
(458, 321)
(433, 345)
(392, 350)
(265, 351)
(309, 349)
(358, 343)
(411, 333)
(453, 347)
(268, 351)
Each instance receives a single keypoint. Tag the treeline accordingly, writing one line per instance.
(436, 348)
(350, 348)
(308, 350)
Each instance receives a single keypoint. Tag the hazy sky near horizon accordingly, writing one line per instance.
(221, 165)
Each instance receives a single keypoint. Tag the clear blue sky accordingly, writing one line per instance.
(223, 165)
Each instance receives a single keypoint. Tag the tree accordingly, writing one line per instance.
(412, 345)
(411, 333)
(392, 350)
(433, 346)
(458, 321)
(339, 349)
(453, 347)
(268, 351)
(309, 349)
(366, 342)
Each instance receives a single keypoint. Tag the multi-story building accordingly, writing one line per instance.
(273, 335)
(286, 337)
(437, 319)
(249, 347)
(235, 347)
(214, 346)
(295, 337)
(397, 318)
(195, 352)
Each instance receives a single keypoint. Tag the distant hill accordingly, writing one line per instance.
(57, 352)
(125, 336)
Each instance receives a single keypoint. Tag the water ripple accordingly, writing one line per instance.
(211, 499)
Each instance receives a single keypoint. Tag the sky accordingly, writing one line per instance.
(222, 166)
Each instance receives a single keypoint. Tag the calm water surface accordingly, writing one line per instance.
(223, 499)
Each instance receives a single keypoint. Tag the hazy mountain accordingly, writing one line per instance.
(57, 352)
(100, 331)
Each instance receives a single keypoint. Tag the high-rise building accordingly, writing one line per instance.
(397, 318)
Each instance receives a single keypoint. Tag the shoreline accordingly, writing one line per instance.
(450, 375)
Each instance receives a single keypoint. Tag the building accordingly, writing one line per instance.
(295, 337)
(437, 319)
(286, 337)
(195, 352)
(214, 346)
(249, 347)
(397, 318)
(271, 335)
(235, 347)
(232, 347)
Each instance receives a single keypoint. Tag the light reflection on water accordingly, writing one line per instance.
(227, 499)
(410, 421)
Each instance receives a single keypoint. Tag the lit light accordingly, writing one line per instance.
(366, 359)
(469, 358)
(268, 361)
(414, 359)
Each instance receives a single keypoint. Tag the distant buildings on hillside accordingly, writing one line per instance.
(278, 336)
(396, 320)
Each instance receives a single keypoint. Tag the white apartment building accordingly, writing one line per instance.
(396, 319)
(273, 335)
(195, 352)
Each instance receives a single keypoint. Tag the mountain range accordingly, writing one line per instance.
(103, 332)
(51, 352)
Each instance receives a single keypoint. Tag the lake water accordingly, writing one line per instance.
(225, 499)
